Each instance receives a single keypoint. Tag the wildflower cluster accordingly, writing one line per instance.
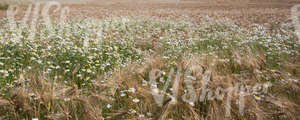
(81, 52)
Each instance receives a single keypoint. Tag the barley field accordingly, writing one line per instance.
(150, 60)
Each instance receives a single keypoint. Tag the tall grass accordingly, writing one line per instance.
(46, 78)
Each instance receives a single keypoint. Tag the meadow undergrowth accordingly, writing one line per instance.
(87, 69)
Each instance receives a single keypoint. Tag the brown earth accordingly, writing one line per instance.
(243, 11)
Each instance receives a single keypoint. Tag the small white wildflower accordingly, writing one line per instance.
(88, 70)
(145, 83)
(78, 75)
(108, 106)
(162, 80)
(32, 58)
(153, 86)
(57, 67)
(67, 70)
(5, 72)
(67, 99)
(149, 114)
(136, 100)
(141, 115)
(132, 90)
(256, 97)
(258, 71)
(39, 61)
(192, 103)
(123, 94)
(165, 57)
(132, 111)
(31, 94)
(293, 80)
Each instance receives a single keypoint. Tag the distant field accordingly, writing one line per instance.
(245, 11)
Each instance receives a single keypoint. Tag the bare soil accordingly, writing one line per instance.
(243, 11)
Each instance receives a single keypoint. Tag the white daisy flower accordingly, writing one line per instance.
(108, 106)
(132, 90)
(123, 94)
(132, 111)
(192, 103)
(136, 100)
(141, 115)
(256, 97)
